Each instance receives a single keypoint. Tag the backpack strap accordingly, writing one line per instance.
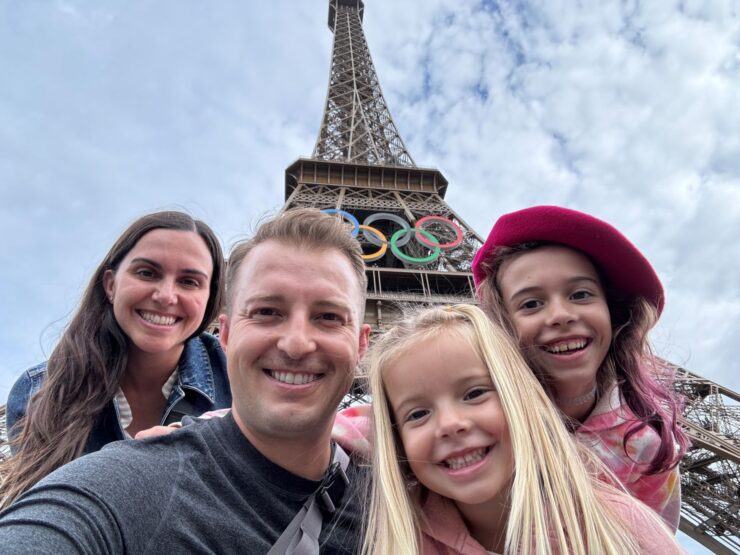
(301, 537)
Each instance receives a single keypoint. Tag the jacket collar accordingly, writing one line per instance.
(442, 524)
(194, 370)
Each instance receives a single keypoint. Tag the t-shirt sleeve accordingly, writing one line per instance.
(58, 518)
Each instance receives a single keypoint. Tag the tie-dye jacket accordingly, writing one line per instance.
(604, 430)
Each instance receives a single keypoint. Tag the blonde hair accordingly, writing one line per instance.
(556, 505)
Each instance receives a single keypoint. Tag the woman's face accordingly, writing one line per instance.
(160, 290)
(557, 304)
(451, 422)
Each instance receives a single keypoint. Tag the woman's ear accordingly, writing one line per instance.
(109, 284)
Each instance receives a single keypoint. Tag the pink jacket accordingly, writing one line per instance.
(445, 533)
(604, 431)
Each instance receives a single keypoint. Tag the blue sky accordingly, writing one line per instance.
(621, 108)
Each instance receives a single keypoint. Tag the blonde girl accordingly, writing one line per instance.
(580, 298)
(471, 457)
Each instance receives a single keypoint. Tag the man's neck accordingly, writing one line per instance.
(307, 457)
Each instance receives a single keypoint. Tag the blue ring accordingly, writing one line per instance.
(347, 216)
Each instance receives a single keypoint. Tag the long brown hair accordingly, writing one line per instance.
(87, 365)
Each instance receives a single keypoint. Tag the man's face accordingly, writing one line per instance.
(293, 339)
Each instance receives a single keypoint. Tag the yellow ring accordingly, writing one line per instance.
(378, 254)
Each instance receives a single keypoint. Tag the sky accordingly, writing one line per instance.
(624, 109)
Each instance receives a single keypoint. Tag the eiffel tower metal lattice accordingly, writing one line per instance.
(418, 250)
(357, 125)
(361, 168)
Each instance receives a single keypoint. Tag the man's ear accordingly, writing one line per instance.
(364, 341)
(223, 330)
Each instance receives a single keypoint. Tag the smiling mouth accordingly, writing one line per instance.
(157, 319)
(468, 459)
(292, 378)
(565, 347)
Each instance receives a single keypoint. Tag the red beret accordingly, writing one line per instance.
(624, 266)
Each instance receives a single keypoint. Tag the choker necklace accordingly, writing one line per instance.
(580, 400)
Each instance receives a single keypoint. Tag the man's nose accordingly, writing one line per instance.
(297, 338)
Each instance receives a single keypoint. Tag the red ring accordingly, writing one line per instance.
(424, 241)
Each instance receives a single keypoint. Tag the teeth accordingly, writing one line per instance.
(293, 378)
(157, 319)
(467, 459)
(566, 346)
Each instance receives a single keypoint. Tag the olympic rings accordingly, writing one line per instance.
(401, 236)
(395, 250)
(346, 216)
(443, 221)
(377, 255)
(372, 218)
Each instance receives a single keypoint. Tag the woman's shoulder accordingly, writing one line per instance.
(203, 366)
(204, 347)
(29, 381)
(27, 384)
(209, 341)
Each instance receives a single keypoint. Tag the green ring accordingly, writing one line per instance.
(395, 250)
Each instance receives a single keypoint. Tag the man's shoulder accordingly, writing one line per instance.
(148, 464)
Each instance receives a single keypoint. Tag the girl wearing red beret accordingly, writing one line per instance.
(581, 299)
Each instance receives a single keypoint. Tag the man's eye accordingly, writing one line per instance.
(263, 312)
(331, 318)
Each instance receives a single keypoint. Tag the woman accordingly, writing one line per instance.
(134, 355)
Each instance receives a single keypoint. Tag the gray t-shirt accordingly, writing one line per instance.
(202, 489)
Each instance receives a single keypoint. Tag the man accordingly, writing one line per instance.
(293, 335)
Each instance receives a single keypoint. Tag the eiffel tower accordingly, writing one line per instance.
(418, 250)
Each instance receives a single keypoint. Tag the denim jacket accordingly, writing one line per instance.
(202, 385)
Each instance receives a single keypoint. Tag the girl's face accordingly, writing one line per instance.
(556, 302)
(161, 289)
(451, 422)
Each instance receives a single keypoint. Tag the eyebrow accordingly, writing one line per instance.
(326, 304)
(465, 381)
(158, 266)
(535, 288)
(407, 401)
